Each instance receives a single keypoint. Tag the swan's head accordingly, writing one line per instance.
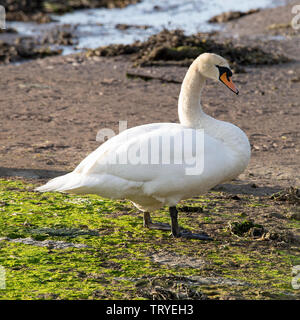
(212, 66)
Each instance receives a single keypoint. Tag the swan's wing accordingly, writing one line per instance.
(149, 152)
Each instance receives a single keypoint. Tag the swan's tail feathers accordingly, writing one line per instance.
(67, 183)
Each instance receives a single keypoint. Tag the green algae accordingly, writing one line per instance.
(117, 256)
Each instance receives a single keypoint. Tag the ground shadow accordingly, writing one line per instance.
(245, 187)
(30, 173)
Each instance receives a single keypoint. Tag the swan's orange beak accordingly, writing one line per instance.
(228, 83)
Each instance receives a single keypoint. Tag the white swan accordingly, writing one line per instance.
(134, 165)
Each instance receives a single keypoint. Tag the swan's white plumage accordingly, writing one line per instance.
(150, 186)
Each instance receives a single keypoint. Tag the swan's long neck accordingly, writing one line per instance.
(189, 107)
(191, 115)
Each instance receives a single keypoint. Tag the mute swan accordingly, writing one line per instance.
(127, 166)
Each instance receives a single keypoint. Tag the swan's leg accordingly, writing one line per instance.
(158, 225)
(179, 232)
(174, 222)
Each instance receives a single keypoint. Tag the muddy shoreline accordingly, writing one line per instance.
(158, 49)
(19, 48)
(39, 95)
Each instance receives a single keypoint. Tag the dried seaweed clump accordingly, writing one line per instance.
(24, 49)
(168, 288)
(291, 194)
(177, 48)
(246, 228)
(39, 10)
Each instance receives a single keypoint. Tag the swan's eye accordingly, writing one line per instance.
(229, 73)
(223, 70)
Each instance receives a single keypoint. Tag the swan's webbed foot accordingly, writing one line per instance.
(157, 225)
(177, 232)
(189, 235)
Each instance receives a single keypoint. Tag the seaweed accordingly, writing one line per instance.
(39, 10)
(246, 227)
(174, 46)
(291, 194)
(24, 49)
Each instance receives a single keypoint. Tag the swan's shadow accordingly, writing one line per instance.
(247, 188)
